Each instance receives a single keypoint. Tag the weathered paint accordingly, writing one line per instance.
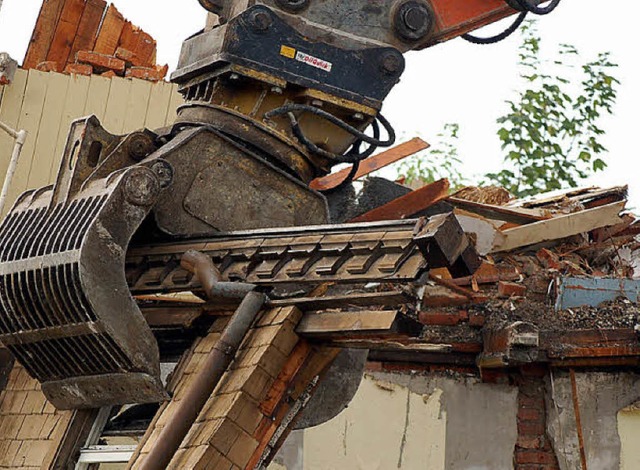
(578, 291)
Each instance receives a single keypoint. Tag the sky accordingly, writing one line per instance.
(455, 82)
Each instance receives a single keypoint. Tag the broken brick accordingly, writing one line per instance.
(439, 318)
(48, 66)
(145, 73)
(511, 289)
(101, 62)
(78, 69)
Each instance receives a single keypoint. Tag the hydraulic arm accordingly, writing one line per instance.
(276, 93)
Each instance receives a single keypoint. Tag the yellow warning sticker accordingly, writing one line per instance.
(287, 51)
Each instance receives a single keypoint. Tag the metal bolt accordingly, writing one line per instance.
(392, 62)
(413, 20)
(317, 103)
(277, 90)
(261, 20)
(140, 145)
(234, 76)
(358, 117)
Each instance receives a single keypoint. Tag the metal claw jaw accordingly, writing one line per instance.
(66, 312)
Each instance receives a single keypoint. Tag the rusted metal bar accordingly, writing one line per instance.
(215, 365)
(576, 409)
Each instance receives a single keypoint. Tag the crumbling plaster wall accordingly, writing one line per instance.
(601, 396)
(405, 421)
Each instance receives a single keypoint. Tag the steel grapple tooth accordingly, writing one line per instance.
(66, 312)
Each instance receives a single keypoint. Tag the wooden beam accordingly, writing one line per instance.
(372, 164)
(110, 32)
(388, 299)
(66, 33)
(43, 33)
(357, 325)
(87, 34)
(508, 214)
(561, 227)
(408, 205)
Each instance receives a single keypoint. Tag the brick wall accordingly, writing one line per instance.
(533, 449)
(272, 369)
(31, 429)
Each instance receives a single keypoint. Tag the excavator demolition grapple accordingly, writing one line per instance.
(276, 94)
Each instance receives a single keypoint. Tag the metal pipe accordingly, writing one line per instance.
(20, 138)
(212, 370)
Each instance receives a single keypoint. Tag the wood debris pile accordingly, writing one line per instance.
(90, 37)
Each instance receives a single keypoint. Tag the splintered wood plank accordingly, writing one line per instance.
(137, 105)
(30, 116)
(110, 32)
(87, 33)
(73, 109)
(43, 33)
(409, 204)
(142, 46)
(10, 109)
(305, 304)
(372, 164)
(117, 105)
(507, 214)
(176, 101)
(561, 227)
(158, 103)
(54, 105)
(97, 96)
(66, 33)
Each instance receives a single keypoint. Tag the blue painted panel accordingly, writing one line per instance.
(577, 291)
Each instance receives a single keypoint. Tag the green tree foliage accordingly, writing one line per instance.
(437, 162)
(552, 134)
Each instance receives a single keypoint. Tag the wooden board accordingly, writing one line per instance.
(117, 105)
(73, 109)
(507, 214)
(408, 205)
(30, 115)
(10, 108)
(43, 33)
(136, 112)
(53, 108)
(65, 33)
(87, 33)
(561, 227)
(110, 32)
(391, 299)
(372, 164)
(158, 104)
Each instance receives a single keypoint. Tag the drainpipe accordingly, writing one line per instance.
(217, 361)
(20, 138)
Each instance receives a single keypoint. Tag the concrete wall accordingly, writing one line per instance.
(399, 421)
(44, 104)
(601, 396)
(413, 422)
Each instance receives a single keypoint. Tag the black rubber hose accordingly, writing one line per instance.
(289, 109)
(499, 37)
(537, 10)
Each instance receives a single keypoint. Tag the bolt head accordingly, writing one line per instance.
(261, 20)
(413, 20)
(293, 5)
(392, 63)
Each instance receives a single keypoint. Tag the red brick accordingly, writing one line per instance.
(535, 457)
(125, 54)
(475, 319)
(510, 289)
(530, 414)
(78, 69)
(530, 402)
(145, 73)
(101, 62)
(531, 428)
(49, 66)
(439, 318)
(530, 442)
(109, 74)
